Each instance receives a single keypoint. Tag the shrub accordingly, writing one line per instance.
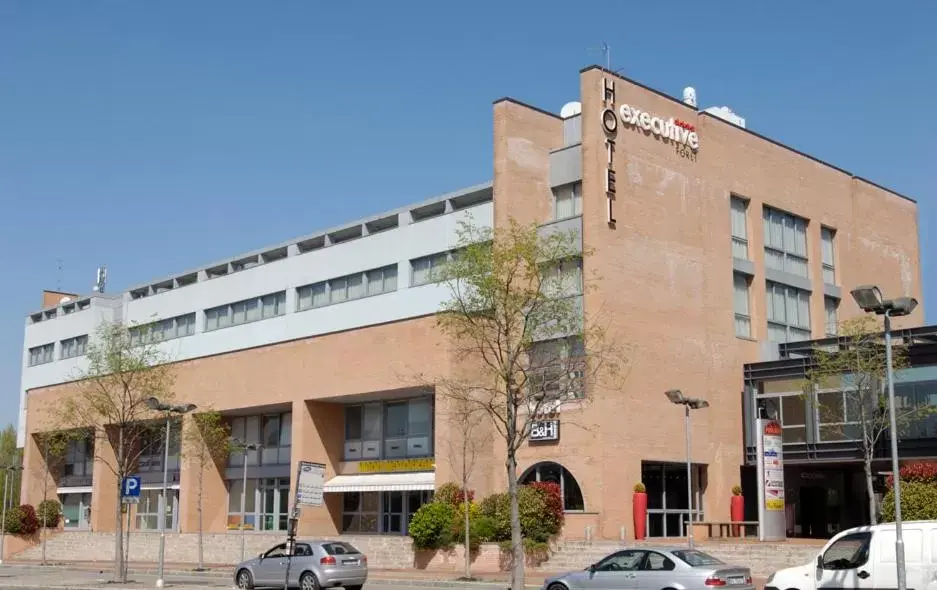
(918, 473)
(736, 490)
(13, 523)
(553, 499)
(49, 513)
(29, 523)
(432, 526)
(536, 525)
(639, 488)
(451, 493)
(918, 502)
(497, 508)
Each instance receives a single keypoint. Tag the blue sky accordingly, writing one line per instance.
(156, 136)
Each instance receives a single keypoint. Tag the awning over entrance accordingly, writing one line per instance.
(382, 482)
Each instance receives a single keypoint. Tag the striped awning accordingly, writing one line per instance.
(382, 482)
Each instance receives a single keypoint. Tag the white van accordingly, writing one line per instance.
(864, 558)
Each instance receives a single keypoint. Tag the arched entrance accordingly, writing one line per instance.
(549, 471)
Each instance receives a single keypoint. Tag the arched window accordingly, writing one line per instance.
(556, 473)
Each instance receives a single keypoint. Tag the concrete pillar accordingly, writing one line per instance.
(105, 492)
(214, 492)
(37, 477)
(318, 435)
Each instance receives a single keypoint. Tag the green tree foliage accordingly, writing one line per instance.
(49, 513)
(432, 526)
(10, 456)
(918, 502)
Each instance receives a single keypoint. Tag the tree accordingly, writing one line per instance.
(124, 371)
(207, 439)
(10, 456)
(463, 451)
(857, 368)
(517, 328)
(53, 446)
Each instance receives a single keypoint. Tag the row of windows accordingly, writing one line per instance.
(785, 239)
(248, 310)
(787, 309)
(274, 433)
(389, 430)
(68, 348)
(347, 288)
(177, 327)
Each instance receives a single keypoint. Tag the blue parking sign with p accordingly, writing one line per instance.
(130, 490)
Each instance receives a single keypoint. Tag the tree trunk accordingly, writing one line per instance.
(198, 508)
(468, 550)
(44, 528)
(873, 517)
(517, 541)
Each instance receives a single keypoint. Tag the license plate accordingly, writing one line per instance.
(350, 562)
(735, 580)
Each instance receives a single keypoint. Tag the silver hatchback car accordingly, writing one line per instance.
(314, 565)
(655, 568)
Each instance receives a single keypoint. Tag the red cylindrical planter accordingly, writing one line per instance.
(737, 512)
(639, 510)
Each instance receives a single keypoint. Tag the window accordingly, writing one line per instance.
(312, 296)
(79, 457)
(788, 311)
(629, 560)
(670, 505)
(739, 207)
(697, 558)
(347, 288)
(785, 242)
(361, 512)
(567, 201)
(40, 355)
(382, 280)
(424, 269)
(848, 552)
(273, 431)
(242, 312)
(838, 415)
(829, 270)
(266, 504)
(556, 473)
(563, 279)
(177, 327)
(148, 510)
(390, 430)
(152, 453)
(743, 316)
(73, 347)
(656, 562)
(830, 307)
(556, 369)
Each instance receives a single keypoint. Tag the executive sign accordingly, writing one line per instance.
(673, 129)
(545, 431)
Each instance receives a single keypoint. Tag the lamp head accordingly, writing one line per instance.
(903, 306)
(185, 408)
(697, 404)
(869, 298)
(152, 403)
(675, 396)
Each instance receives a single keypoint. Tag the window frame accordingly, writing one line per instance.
(789, 327)
(229, 311)
(435, 261)
(365, 430)
(571, 191)
(147, 333)
(41, 355)
(80, 344)
(742, 317)
(792, 261)
(739, 242)
(828, 237)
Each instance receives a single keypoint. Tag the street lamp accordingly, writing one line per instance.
(167, 409)
(7, 471)
(245, 448)
(870, 299)
(689, 403)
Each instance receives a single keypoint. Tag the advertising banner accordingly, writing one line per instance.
(770, 447)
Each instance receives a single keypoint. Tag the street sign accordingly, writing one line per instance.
(309, 483)
(130, 490)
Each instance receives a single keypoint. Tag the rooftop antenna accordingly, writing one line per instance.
(58, 278)
(607, 52)
(101, 279)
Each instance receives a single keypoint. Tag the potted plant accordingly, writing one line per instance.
(639, 511)
(737, 509)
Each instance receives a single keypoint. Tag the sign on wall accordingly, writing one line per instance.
(545, 431)
(309, 483)
(397, 465)
(770, 448)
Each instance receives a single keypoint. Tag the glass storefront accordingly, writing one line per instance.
(147, 510)
(76, 510)
(381, 512)
(266, 504)
(668, 510)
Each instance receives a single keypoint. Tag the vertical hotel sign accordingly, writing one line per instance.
(610, 126)
(771, 513)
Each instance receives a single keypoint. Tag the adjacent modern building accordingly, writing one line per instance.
(711, 245)
(825, 484)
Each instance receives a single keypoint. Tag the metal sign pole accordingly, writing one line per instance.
(291, 528)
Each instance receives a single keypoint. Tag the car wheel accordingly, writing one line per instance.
(353, 587)
(308, 581)
(557, 586)
(245, 580)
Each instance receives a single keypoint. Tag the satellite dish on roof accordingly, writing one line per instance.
(65, 299)
(571, 109)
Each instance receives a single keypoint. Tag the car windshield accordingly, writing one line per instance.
(338, 548)
(697, 558)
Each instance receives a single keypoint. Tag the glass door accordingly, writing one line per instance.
(274, 504)
(392, 512)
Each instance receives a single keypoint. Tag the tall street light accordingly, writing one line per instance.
(689, 403)
(245, 448)
(870, 299)
(168, 410)
(7, 472)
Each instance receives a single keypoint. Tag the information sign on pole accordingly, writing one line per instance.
(309, 483)
(130, 490)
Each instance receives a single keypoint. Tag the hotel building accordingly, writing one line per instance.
(712, 245)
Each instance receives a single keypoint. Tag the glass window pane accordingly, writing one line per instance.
(830, 407)
(390, 278)
(395, 420)
(372, 422)
(740, 285)
(375, 282)
(224, 317)
(269, 306)
(319, 295)
(271, 431)
(420, 274)
(739, 228)
(253, 310)
(305, 297)
(339, 290)
(793, 411)
(355, 286)
(420, 418)
(353, 423)
(238, 313)
(286, 429)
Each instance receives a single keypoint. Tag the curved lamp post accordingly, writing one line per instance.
(168, 410)
(689, 403)
(870, 299)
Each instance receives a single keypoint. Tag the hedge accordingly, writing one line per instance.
(918, 502)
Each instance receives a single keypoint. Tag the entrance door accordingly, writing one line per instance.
(392, 512)
(274, 504)
(76, 510)
(813, 512)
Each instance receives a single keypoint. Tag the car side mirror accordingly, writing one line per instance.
(819, 562)
(592, 568)
(260, 557)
